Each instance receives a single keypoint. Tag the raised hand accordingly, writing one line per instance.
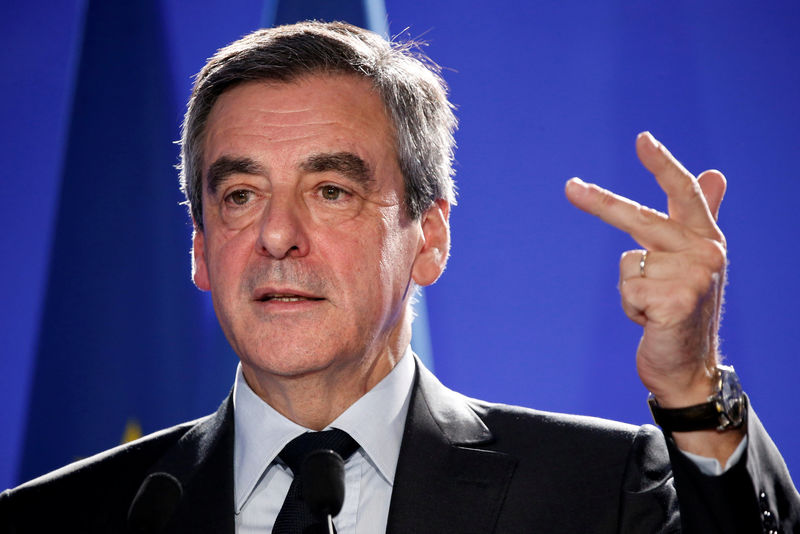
(674, 287)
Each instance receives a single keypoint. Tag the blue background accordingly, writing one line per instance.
(96, 300)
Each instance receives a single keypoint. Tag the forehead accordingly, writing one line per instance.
(320, 113)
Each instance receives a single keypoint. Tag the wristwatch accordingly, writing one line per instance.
(725, 408)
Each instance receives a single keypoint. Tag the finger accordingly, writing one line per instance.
(695, 271)
(713, 185)
(650, 228)
(665, 303)
(686, 202)
(657, 265)
(634, 314)
(634, 299)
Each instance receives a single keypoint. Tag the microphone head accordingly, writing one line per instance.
(155, 502)
(323, 482)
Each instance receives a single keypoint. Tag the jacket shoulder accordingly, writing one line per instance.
(638, 455)
(97, 485)
(140, 453)
(515, 423)
(620, 472)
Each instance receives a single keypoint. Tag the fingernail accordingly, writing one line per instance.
(650, 139)
(577, 186)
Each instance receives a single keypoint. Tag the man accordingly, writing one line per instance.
(317, 168)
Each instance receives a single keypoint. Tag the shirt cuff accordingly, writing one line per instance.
(711, 466)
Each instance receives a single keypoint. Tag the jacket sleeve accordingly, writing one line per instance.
(6, 525)
(755, 495)
(648, 501)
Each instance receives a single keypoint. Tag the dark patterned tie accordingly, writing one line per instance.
(295, 516)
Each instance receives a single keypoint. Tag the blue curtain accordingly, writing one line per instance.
(102, 333)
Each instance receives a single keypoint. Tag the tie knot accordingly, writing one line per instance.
(296, 450)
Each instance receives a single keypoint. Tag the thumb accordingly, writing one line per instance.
(713, 185)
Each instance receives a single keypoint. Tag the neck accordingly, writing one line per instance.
(315, 399)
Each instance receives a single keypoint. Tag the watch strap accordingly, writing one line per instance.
(725, 408)
(704, 416)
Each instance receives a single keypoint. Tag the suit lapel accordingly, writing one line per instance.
(202, 461)
(445, 481)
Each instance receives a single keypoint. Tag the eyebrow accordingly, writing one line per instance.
(225, 166)
(346, 163)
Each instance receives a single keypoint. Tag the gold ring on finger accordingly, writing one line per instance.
(642, 263)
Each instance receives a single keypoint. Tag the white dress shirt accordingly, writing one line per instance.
(711, 466)
(376, 421)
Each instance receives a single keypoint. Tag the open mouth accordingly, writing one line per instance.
(279, 297)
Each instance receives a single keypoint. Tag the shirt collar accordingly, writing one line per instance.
(376, 421)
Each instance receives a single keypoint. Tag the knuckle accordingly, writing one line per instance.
(628, 257)
(632, 292)
(647, 216)
(687, 186)
(714, 255)
(719, 237)
(605, 200)
(625, 292)
(664, 160)
(632, 312)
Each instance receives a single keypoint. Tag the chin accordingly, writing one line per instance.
(288, 365)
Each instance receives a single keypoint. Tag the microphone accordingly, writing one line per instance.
(323, 484)
(154, 504)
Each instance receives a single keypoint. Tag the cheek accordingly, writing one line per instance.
(228, 257)
(397, 256)
(400, 240)
(356, 255)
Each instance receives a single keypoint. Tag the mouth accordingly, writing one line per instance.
(275, 296)
(284, 298)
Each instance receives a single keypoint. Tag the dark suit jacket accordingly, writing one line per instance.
(464, 466)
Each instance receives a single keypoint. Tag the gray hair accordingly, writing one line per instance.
(413, 93)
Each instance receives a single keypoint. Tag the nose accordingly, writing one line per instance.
(283, 229)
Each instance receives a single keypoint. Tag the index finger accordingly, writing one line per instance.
(686, 203)
(652, 229)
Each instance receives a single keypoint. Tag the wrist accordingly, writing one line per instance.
(722, 408)
(684, 387)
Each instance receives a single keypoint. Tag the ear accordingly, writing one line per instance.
(199, 265)
(432, 256)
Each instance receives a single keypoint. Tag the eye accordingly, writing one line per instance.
(240, 197)
(331, 192)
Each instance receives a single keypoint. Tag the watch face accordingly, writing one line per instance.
(730, 396)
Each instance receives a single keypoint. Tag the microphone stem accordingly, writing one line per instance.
(330, 524)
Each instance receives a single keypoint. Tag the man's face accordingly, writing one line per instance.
(307, 248)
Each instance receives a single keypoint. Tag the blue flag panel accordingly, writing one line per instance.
(125, 340)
